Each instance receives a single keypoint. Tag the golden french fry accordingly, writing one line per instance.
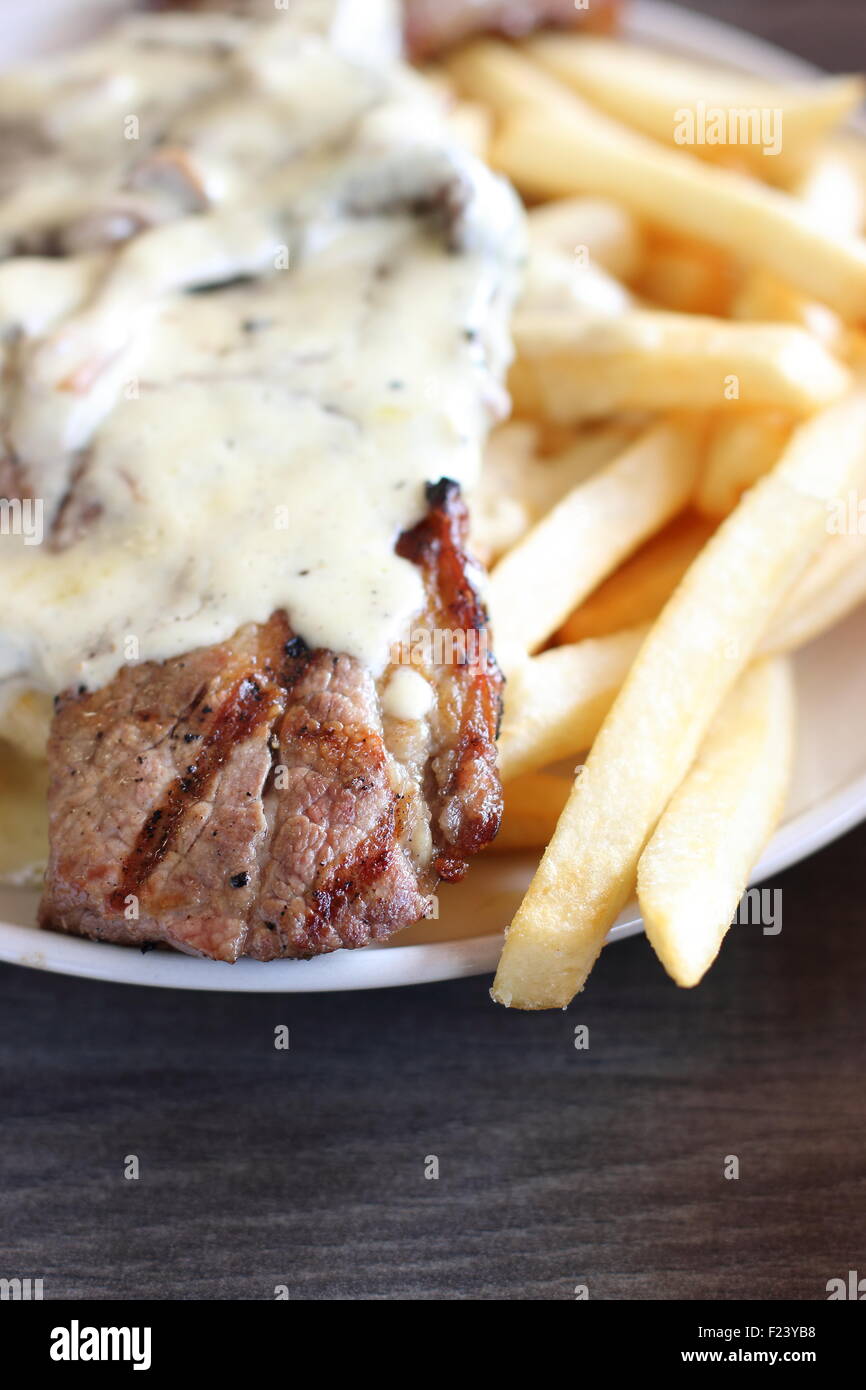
(533, 805)
(829, 190)
(834, 581)
(638, 591)
(553, 144)
(696, 866)
(719, 116)
(551, 155)
(587, 534)
(833, 183)
(741, 450)
(555, 702)
(832, 587)
(556, 282)
(506, 81)
(520, 482)
(691, 659)
(764, 298)
(594, 231)
(687, 276)
(571, 367)
(501, 505)
(544, 704)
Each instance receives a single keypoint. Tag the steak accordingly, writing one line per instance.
(256, 798)
(431, 26)
(434, 25)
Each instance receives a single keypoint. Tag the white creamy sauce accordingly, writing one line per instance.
(407, 695)
(236, 409)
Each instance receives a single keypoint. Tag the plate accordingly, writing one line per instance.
(828, 793)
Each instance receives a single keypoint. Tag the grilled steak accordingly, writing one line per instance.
(256, 798)
(228, 411)
(433, 25)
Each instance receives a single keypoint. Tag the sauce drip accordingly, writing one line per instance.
(275, 316)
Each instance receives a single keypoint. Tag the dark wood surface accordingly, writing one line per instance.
(557, 1167)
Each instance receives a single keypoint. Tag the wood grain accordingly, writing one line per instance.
(556, 1166)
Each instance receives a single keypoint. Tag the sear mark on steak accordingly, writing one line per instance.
(141, 849)
(252, 798)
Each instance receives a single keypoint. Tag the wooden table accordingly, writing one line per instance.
(306, 1167)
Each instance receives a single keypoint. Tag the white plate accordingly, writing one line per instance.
(828, 794)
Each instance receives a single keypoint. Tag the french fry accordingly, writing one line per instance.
(520, 482)
(556, 701)
(711, 835)
(587, 534)
(834, 186)
(741, 450)
(832, 587)
(506, 81)
(830, 190)
(553, 156)
(501, 506)
(555, 145)
(656, 93)
(688, 277)
(559, 283)
(694, 654)
(571, 367)
(638, 591)
(834, 581)
(763, 297)
(833, 183)
(594, 231)
(533, 805)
